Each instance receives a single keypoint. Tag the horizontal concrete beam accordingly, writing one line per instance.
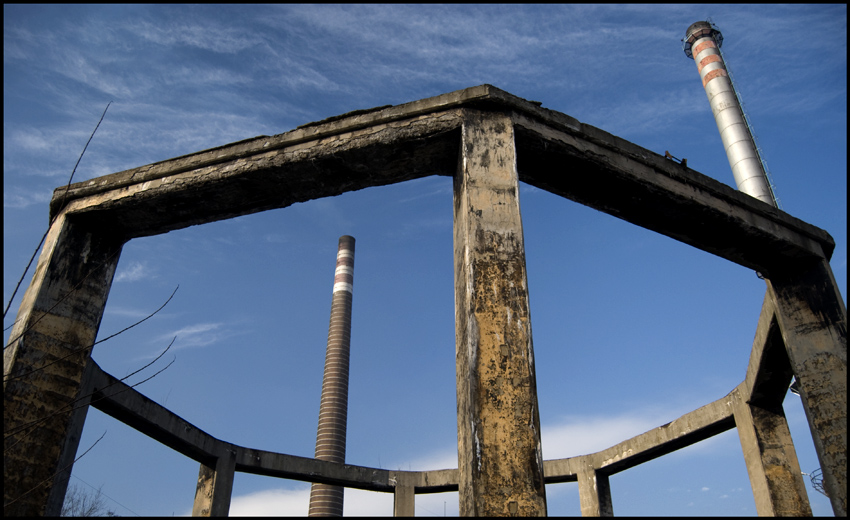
(317, 131)
(599, 170)
(124, 403)
(127, 405)
(388, 145)
(698, 425)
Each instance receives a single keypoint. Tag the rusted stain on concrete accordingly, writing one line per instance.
(500, 462)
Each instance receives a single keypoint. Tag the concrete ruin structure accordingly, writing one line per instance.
(487, 140)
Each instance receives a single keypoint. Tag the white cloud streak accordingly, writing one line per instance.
(134, 272)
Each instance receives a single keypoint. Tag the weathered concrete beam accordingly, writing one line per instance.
(127, 405)
(607, 173)
(270, 464)
(500, 461)
(44, 360)
(435, 481)
(374, 156)
(698, 425)
(118, 400)
(382, 146)
(318, 131)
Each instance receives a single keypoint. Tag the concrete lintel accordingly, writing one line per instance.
(374, 156)
(388, 145)
(642, 187)
(334, 126)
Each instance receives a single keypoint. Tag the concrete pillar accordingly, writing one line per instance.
(594, 492)
(215, 486)
(813, 321)
(72, 441)
(778, 486)
(404, 496)
(327, 500)
(57, 323)
(500, 459)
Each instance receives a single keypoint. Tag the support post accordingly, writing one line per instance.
(500, 458)
(594, 491)
(778, 487)
(215, 485)
(404, 495)
(44, 361)
(813, 321)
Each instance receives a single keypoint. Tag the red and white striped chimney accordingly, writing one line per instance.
(702, 43)
(327, 500)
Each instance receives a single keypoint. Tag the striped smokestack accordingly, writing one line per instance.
(702, 43)
(326, 500)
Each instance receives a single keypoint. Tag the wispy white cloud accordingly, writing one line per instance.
(19, 198)
(199, 33)
(192, 336)
(134, 272)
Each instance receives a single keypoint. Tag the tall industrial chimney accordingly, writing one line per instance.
(702, 43)
(326, 500)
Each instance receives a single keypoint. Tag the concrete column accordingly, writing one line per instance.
(594, 492)
(778, 486)
(327, 500)
(500, 459)
(44, 361)
(813, 321)
(72, 441)
(215, 486)
(404, 496)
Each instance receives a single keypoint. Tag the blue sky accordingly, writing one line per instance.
(631, 329)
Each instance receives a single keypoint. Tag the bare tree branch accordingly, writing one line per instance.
(11, 377)
(67, 187)
(30, 425)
